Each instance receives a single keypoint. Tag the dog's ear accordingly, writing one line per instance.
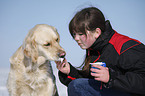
(16, 58)
(30, 49)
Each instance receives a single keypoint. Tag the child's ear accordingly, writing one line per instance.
(97, 32)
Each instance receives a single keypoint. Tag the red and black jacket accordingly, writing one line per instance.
(125, 58)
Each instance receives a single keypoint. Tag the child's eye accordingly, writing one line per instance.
(74, 34)
(81, 34)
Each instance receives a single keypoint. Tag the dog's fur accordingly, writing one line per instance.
(31, 72)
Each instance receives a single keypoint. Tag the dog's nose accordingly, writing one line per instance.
(61, 54)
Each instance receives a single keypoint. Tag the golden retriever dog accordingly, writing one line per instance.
(31, 72)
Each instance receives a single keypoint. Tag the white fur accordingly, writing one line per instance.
(31, 72)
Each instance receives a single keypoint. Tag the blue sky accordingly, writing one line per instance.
(17, 17)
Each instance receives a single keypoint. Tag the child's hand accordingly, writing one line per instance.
(63, 66)
(101, 74)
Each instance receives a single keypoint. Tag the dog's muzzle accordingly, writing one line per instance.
(61, 53)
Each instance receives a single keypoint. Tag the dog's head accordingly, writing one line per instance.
(42, 42)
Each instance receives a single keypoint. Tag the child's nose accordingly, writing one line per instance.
(76, 37)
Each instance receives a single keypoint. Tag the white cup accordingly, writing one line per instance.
(98, 63)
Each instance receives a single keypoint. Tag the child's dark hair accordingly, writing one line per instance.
(87, 19)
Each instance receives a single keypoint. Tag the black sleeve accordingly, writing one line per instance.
(66, 79)
(132, 64)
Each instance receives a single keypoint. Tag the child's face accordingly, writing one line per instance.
(85, 41)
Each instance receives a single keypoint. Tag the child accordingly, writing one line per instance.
(124, 74)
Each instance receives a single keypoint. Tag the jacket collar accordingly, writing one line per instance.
(103, 39)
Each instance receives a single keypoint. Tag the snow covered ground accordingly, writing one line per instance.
(3, 79)
(62, 90)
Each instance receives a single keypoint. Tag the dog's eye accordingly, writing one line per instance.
(57, 40)
(48, 44)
